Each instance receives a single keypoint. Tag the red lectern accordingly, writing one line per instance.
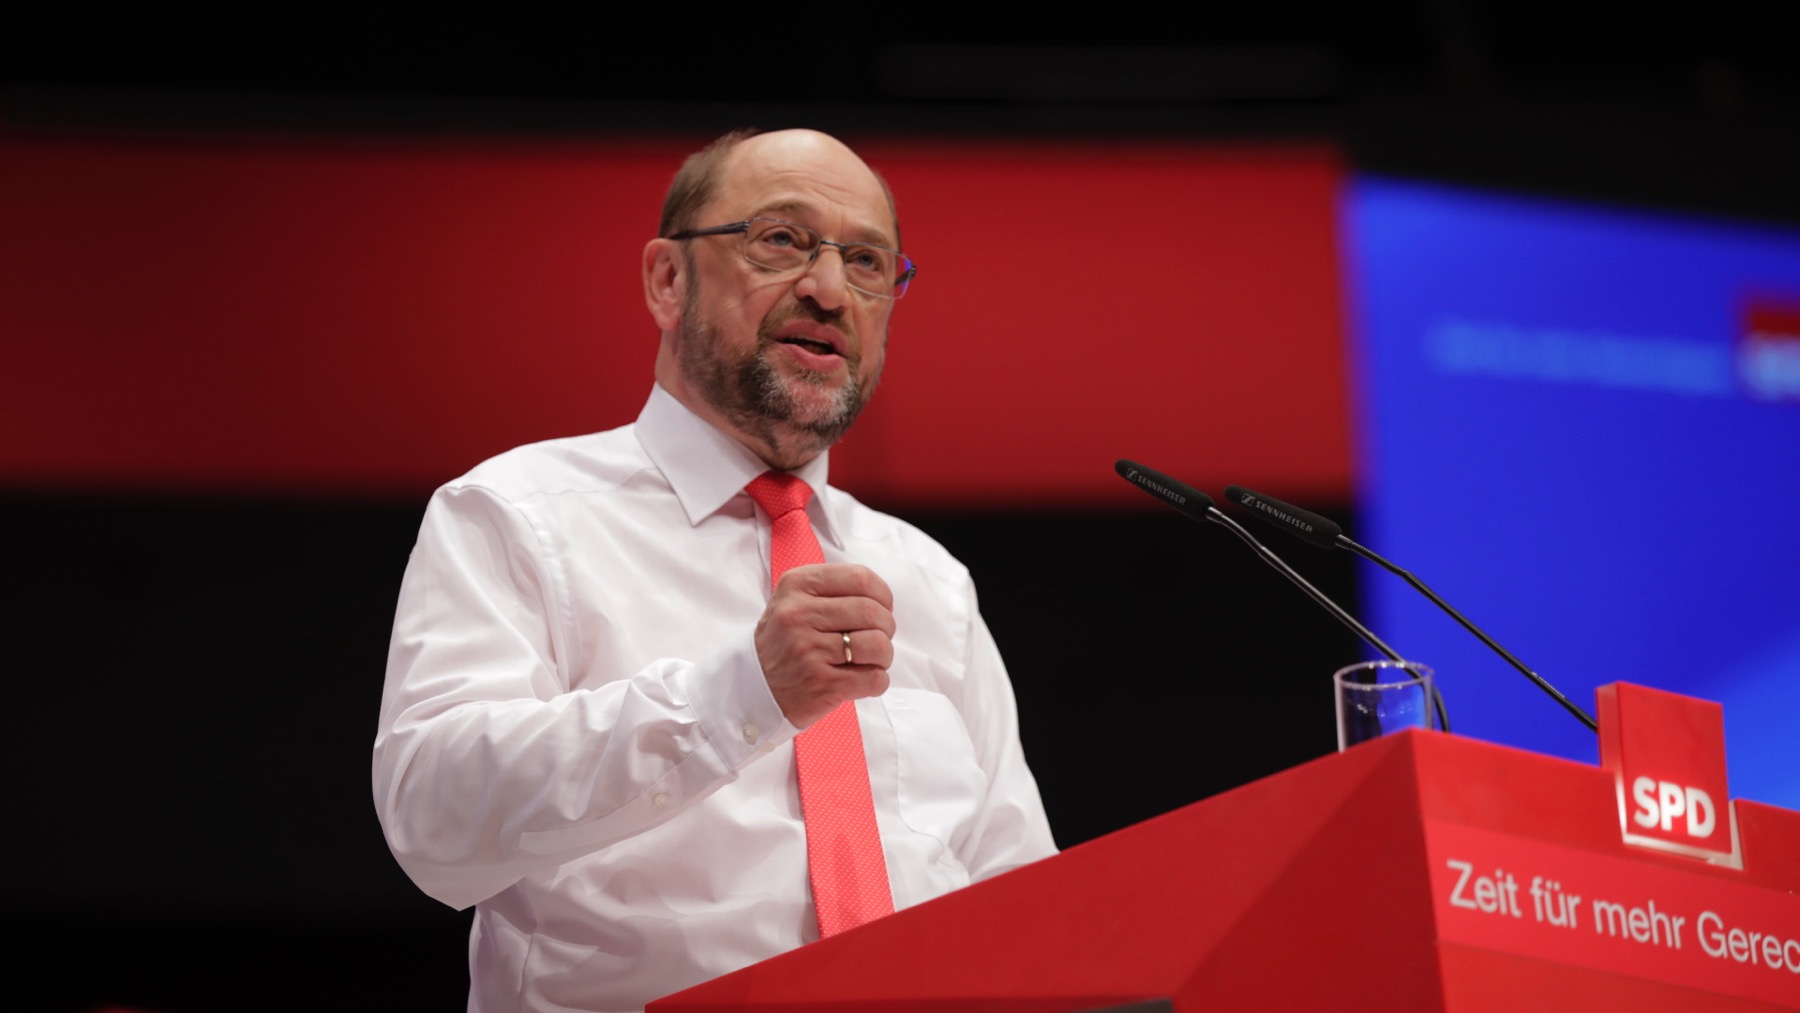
(1419, 872)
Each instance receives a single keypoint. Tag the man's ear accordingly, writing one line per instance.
(665, 282)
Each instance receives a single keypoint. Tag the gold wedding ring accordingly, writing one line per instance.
(849, 659)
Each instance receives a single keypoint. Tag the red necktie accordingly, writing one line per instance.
(843, 845)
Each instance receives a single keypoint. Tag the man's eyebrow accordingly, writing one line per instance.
(786, 207)
(866, 233)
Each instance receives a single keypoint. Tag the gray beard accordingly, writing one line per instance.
(759, 401)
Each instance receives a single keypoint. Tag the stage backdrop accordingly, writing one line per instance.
(325, 318)
(1581, 425)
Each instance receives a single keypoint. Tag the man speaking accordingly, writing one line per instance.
(660, 702)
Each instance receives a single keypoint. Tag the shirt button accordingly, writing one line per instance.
(661, 799)
(751, 733)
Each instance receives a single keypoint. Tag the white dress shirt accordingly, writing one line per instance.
(576, 736)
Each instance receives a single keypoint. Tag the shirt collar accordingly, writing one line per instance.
(706, 467)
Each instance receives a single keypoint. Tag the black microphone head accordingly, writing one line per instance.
(1302, 524)
(1180, 495)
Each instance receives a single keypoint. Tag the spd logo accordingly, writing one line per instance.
(1667, 754)
(1665, 805)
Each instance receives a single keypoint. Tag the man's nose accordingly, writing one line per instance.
(823, 280)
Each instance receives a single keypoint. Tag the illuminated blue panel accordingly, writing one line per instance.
(1582, 427)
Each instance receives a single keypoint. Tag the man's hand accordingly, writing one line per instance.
(800, 638)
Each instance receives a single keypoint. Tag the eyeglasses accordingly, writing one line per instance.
(776, 245)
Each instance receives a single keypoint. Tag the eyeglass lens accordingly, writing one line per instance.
(786, 246)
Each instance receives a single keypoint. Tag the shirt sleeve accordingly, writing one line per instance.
(1011, 828)
(487, 766)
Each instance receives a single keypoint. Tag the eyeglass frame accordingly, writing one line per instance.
(743, 228)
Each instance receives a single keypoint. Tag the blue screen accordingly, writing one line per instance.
(1581, 426)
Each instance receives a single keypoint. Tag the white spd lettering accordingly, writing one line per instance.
(1659, 803)
(1743, 947)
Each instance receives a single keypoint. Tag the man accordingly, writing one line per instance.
(592, 723)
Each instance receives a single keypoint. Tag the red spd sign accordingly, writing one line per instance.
(1667, 753)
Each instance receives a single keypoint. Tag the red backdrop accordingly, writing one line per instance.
(310, 316)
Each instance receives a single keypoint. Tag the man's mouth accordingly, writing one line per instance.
(811, 345)
(816, 340)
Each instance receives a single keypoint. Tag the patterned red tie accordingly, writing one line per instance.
(843, 845)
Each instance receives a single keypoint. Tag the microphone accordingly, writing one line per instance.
(1302, 524)
(1198, 506)
(1183, 497)
(1325, 533)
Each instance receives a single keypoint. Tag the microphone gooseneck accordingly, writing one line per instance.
(1325, 533)
(1198, 506)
